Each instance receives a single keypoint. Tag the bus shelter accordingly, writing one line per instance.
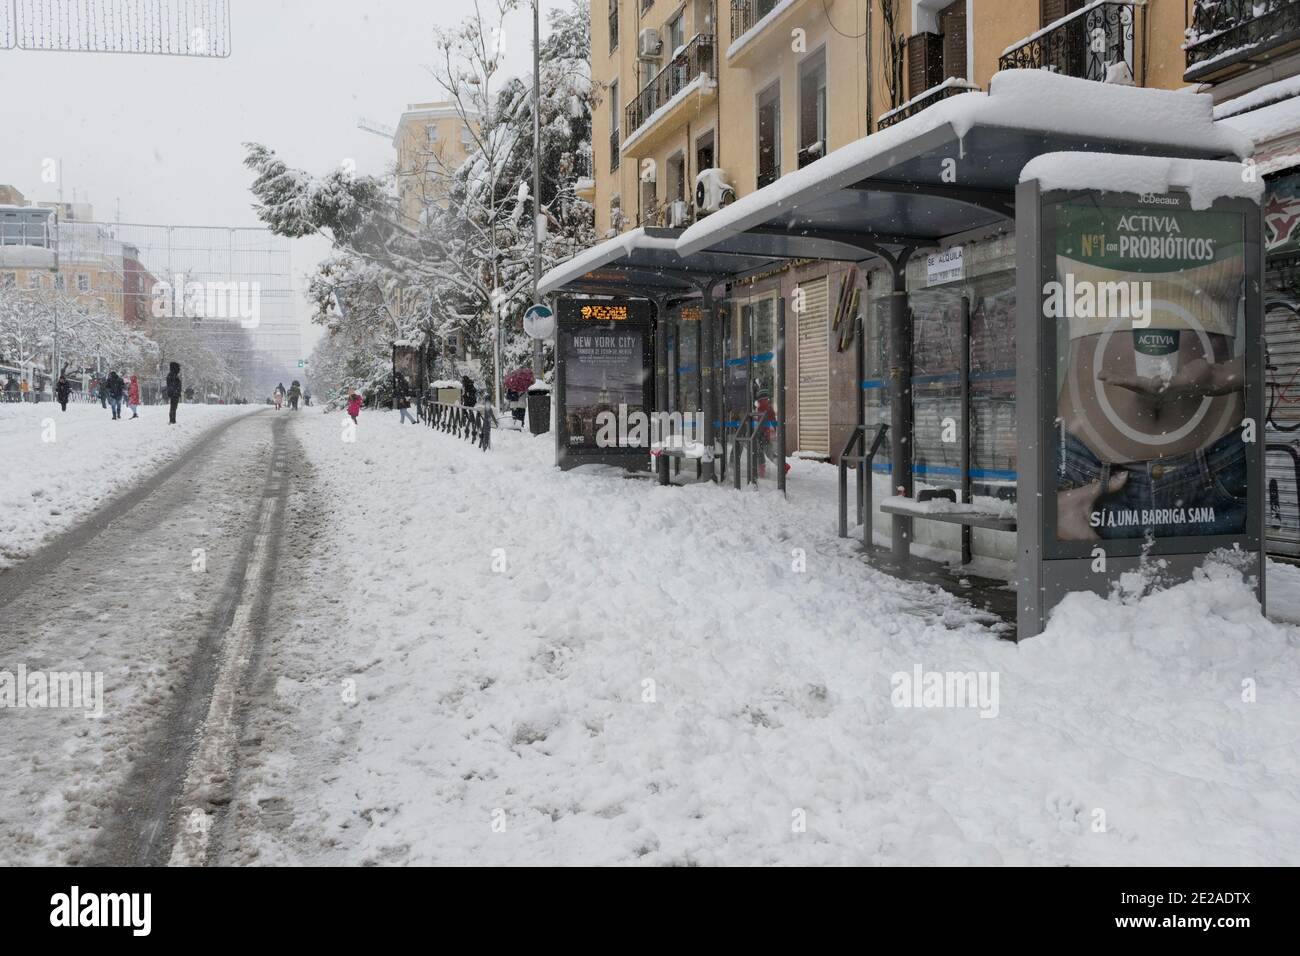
(946, 205)
(636, 296)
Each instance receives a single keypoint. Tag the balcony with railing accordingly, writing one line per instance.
(758, 27)
(746, 13)
(949, 87)
(1228, 37)
(657, 98)
(1097, 42)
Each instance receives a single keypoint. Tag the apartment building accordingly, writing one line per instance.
(56, 245)
(432, 141)
(708, 100)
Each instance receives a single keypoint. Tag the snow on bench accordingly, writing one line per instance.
(996, 516)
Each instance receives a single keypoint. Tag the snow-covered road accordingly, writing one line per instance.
(506, 664)
(405, 650)
(57, 467)
(142, 597)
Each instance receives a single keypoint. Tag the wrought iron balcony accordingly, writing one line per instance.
(695, 60)
(928, 98)
(1093, 43)
(745, 13)
(1228, 31)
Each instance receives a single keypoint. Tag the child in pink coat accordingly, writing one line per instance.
(354, 404)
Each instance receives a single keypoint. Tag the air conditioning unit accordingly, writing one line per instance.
(712, 191)
(677, 213)
(649, 45)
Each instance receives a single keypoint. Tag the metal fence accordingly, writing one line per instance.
(472, 424)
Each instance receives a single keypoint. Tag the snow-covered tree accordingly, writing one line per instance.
(471, 257)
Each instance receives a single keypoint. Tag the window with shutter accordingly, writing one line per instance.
(812, 108)
(924, 63)
(1053, 10)
(952, 25)
(769, 135)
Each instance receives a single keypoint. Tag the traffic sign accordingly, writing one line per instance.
(539, 322)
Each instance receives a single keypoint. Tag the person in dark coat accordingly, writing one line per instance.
(295, 392)
(115, 387)
(64, 391)
(174, 390)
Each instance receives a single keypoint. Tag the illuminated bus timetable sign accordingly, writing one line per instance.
(603, 312)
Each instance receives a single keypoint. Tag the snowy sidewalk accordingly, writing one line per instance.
(537, 667)
(51, 476)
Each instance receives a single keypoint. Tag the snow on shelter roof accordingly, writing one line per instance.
(643, 262)
(954, 166)
(1204, 180)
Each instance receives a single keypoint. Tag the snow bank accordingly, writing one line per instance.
(564, 668)
(1204, 180)
(46, 486)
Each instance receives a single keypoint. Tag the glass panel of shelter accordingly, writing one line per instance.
(989, 288)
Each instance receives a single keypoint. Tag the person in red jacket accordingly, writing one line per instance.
(133, 396)
(354, 404)
(767, 422)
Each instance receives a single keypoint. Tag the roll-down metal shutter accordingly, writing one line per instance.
(814, 369)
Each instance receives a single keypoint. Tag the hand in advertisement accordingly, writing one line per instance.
(1198, 378)
(1074, 508)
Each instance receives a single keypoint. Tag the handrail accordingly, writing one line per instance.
(1085, 44)
(461, 421)
(755, 421)
(1249, 26)
(863, 462)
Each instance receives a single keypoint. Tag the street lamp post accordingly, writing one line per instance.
(537, 177)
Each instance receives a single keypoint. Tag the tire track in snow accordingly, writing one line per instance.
(167, 808)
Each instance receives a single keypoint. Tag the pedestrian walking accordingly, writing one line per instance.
(11, 389)
(63, 391)
(25, 389)
(174, 389)
(295, 392)
(133, 396)
(354, 404)
(402, 399)
(278, 396)
(116, 388)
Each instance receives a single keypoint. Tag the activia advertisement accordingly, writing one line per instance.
(1148, 303)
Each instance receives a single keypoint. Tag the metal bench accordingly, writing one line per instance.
(972, 519)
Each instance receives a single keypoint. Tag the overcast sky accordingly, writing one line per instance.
(162, 135)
